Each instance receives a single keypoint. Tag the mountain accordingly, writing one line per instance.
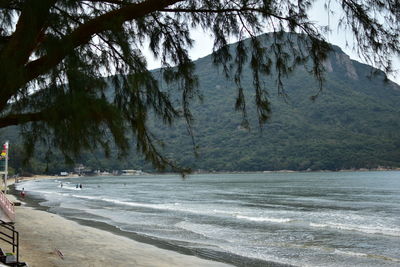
(353, 123)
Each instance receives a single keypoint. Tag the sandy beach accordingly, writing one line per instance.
(43, 233)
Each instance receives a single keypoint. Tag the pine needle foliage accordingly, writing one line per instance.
(55, 55)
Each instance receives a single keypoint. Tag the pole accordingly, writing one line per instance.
(6, 167)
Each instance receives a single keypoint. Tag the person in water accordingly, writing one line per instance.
(23, 193)
(80, 186)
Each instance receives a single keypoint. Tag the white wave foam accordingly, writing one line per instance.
(164, 206)
(136, 204)
(87, 197)
(71, 188)
(131, 204)
(264, 219)
(46, 193)
(351, 253)
(359, 254)
(359, 228)
(319, 225)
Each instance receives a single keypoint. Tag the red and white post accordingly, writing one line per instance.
(4, 155)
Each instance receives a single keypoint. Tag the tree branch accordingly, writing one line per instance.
(29, 26)
(82, 34)
(116, 2)
(226, 10)
(18, 119)
(9, 4)
(17, 51)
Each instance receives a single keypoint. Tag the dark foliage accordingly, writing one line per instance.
(54, 54)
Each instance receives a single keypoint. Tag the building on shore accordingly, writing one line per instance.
(132, 172)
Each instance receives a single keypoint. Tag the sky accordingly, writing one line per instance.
(203, 42)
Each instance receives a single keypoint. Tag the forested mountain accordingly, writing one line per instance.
(353, 123)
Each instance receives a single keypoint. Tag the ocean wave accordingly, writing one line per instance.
(359, 254)
(46, 193)
(175, 206)
(265, 219)
(71, 188)
(86, 197)
(359, 228)
(131, 204)
(140, 205)
(207, 230)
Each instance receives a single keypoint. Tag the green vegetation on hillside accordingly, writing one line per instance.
(353, 123)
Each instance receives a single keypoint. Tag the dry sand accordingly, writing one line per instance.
(41, 233)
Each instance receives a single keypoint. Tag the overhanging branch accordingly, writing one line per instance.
(29, 26)
(227, 10)
(18, 119)
(114, 2)
(82, 34)
(10, 4)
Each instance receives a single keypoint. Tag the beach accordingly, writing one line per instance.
(43, 233)
(244, 219)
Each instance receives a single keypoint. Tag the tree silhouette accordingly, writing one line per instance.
(55, 55)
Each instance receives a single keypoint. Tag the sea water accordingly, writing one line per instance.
(303, 219)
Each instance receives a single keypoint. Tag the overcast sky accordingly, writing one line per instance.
(203, 43)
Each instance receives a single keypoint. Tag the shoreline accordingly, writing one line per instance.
(42, 233)
(209, 256)
(87, 246)
(42, 176)
(292, 171)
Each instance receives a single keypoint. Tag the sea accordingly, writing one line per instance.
(245, 219)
